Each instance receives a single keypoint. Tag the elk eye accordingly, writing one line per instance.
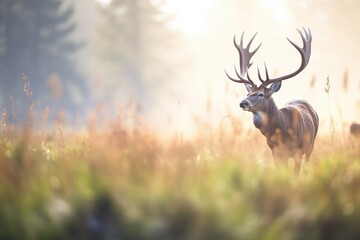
(261, 95)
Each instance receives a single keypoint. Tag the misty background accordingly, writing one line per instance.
(166, 58)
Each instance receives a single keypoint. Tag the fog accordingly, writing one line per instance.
(167, 58)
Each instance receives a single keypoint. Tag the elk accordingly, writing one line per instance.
(355, 132)
(355, 129)
(290, 131)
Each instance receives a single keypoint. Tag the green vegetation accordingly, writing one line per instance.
(122, 184)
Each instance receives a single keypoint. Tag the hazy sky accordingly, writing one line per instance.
(208, 27)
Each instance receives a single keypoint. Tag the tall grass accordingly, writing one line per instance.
(124, 181)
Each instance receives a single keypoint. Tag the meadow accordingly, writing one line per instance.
(122, 182)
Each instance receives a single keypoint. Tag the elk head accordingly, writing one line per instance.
(258, 96)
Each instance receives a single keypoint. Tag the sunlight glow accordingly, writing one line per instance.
(189, 15)
(278, 10)
(103, 2)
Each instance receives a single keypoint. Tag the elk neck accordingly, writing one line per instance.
(269, 119)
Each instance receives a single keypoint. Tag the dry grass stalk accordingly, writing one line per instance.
(27, 89)
(345, 82)
(59, 125)
(312, 81)
(4, 123)
(13, 110)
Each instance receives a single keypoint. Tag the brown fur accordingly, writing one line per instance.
(355, 129)
(290, 131)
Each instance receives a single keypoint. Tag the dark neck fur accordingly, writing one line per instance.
(267, 120)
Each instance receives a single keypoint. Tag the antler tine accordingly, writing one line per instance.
(305, 52)
(307, 33)
(266, 72)
(244, 57)
(248, 46)
(259, 75)
(232, 79)
(241, 80)
(244, 54)
(247, 75)
(251, 54)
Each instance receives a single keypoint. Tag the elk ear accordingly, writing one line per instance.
(275, 87)
(248, 87)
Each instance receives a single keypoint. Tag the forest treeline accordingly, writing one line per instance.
(38, 48)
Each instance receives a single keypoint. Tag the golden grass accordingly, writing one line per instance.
(124, 181)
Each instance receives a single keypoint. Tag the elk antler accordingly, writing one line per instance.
(245, 57)
(305, 53)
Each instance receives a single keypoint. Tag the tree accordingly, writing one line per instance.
(35, 41)
(137, 44)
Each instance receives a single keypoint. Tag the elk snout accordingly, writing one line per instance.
(245, 104)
